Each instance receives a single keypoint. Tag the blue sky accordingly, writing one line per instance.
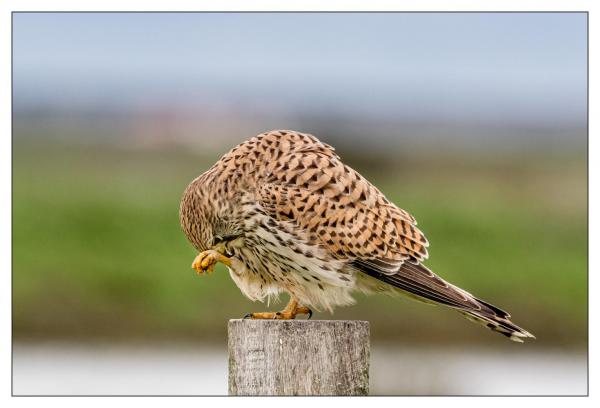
(522, 68)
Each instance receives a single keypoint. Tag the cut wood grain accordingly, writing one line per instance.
(298, 357)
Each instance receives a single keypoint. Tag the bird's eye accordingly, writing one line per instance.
(219, 239)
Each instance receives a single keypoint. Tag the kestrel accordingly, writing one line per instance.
(284, 214)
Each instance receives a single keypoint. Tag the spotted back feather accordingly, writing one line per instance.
(307, 183)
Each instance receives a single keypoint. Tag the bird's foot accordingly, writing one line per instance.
(283, 315)
(206, 261)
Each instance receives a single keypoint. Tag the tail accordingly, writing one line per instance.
(498, 321)
(418, 282)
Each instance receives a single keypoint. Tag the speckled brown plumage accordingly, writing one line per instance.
(288, 215)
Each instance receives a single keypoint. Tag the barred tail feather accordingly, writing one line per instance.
(418, 282)
(494, 319)
(499, 324)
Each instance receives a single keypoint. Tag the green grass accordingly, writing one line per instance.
(98, 251)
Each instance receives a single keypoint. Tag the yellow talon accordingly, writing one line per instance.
(290, 312)
(206, 261)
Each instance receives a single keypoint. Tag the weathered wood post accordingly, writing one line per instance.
(298, 357)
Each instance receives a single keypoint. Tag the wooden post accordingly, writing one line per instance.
(298, 357)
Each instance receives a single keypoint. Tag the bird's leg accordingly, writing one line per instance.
(206, 261)
(291, 310)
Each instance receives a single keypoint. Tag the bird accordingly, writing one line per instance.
(284, 214)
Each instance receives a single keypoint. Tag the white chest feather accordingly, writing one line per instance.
(275, 260)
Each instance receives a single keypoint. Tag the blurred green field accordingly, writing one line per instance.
(98, 251)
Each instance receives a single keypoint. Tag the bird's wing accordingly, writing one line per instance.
(344, 213)
(340, 210)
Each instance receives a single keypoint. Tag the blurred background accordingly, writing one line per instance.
(474, 123)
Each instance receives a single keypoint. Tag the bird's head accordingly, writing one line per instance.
(194, 216)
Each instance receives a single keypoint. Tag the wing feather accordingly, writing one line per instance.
(418, 280)
(339, 208)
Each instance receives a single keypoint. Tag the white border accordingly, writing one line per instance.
(7, 6)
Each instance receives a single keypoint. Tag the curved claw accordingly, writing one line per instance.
(206, 261)
(310, 313)
(247, 316)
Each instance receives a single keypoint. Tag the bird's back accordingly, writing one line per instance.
(299, 179)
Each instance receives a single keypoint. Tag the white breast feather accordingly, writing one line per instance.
(336, 291)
